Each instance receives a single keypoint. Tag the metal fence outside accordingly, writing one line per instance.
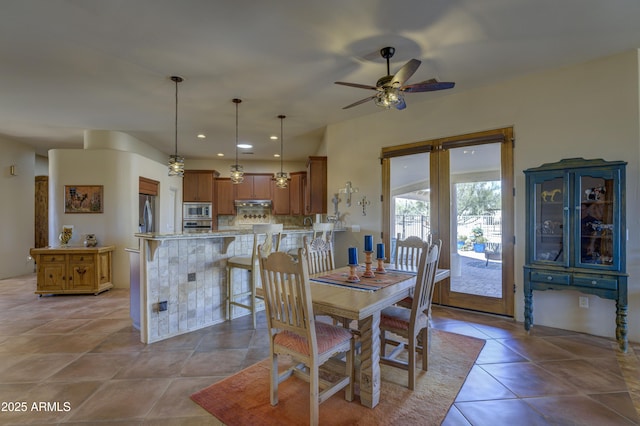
(418, 225)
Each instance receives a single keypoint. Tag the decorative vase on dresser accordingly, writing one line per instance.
(576, 233)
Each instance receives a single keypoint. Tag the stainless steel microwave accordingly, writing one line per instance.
(192, 211)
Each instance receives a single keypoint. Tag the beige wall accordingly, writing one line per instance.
(118, 171)
(589, 111)
(16, 208)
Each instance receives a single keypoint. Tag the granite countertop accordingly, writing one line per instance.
(219, 233)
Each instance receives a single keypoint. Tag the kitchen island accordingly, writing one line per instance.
(183, 278)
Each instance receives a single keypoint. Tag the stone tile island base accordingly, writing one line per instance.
(188, 272)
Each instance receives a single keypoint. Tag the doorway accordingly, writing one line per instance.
(459, 190)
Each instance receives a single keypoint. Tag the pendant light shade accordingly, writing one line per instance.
(237, 173)
(176, 162)
(281, 178)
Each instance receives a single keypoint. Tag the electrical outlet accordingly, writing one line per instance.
(583, 301)
(355, 228)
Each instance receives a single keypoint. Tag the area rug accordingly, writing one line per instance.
(243, 399)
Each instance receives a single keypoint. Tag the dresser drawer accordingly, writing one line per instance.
(81, 257)
(551, 277)
(52, 258)
(595, 282)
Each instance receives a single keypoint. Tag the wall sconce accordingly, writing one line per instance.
(13, 170)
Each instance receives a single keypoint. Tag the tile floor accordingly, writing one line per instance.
(78, 360)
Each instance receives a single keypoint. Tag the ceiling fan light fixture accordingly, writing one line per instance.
(176, 162)
(281, 178)
(389, 97)
(237, 171)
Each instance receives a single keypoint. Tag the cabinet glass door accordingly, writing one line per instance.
(597, 225)
(549, 244)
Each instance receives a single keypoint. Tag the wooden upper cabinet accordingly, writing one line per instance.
(197, 185)
(254, 187)
(316, 187)
(296, 193)
(281, 199)
(224, 197)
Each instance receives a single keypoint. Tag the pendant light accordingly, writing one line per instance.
(237, 175)
(281, 178)
(176, 163)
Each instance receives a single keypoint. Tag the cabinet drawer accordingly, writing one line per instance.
(81, 258)
(596, 282)
(52, 258)
(551, 277)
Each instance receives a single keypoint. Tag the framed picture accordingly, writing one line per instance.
(83, 199)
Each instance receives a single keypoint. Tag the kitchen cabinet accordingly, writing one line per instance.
(224, 197)
(197, 185)
(73, 270)
(316, 186)
(576, 233)
(254, 187)
(281, 199)
(296, 193)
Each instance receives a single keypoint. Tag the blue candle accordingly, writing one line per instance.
(380, 251)
(353, 256)
(368, 243)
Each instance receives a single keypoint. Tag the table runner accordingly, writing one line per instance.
(339, 277)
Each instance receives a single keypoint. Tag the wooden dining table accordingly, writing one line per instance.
(364, 306)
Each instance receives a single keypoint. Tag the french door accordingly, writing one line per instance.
(460, 190)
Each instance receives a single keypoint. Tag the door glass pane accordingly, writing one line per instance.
(476, 215)
(549, 225)
(596, 220)
(410, 204)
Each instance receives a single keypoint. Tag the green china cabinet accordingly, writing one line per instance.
(576, 233)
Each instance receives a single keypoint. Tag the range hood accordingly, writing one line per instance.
(253, 203)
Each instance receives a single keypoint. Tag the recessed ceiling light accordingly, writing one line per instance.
(244, 146)
(201, 136)
(220, 154)
(273, 138)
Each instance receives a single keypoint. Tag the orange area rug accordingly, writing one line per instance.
(243, 399)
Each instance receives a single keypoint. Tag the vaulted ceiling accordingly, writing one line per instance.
(71, 65)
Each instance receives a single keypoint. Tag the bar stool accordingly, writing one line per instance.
(250, 263)
(324, 230)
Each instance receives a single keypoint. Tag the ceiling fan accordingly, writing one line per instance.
(390, 88)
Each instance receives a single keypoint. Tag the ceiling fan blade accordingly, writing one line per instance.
(359, 86)
(405, 72)
(428, 86)
(361, 101)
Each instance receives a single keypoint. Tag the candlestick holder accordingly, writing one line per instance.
(368, 273)
(380, 269)
(353, 276)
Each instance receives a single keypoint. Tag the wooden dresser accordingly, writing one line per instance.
(73, 270)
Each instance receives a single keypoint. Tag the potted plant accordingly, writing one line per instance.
(478, 239)
(461, 241)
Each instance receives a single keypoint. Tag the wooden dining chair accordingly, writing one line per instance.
(293, 331)
(319, 254)
(408, 301)
(319, 258)
(271, 235)
(407, 253)
(411, 323)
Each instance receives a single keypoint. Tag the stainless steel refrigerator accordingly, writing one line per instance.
(147, 221)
